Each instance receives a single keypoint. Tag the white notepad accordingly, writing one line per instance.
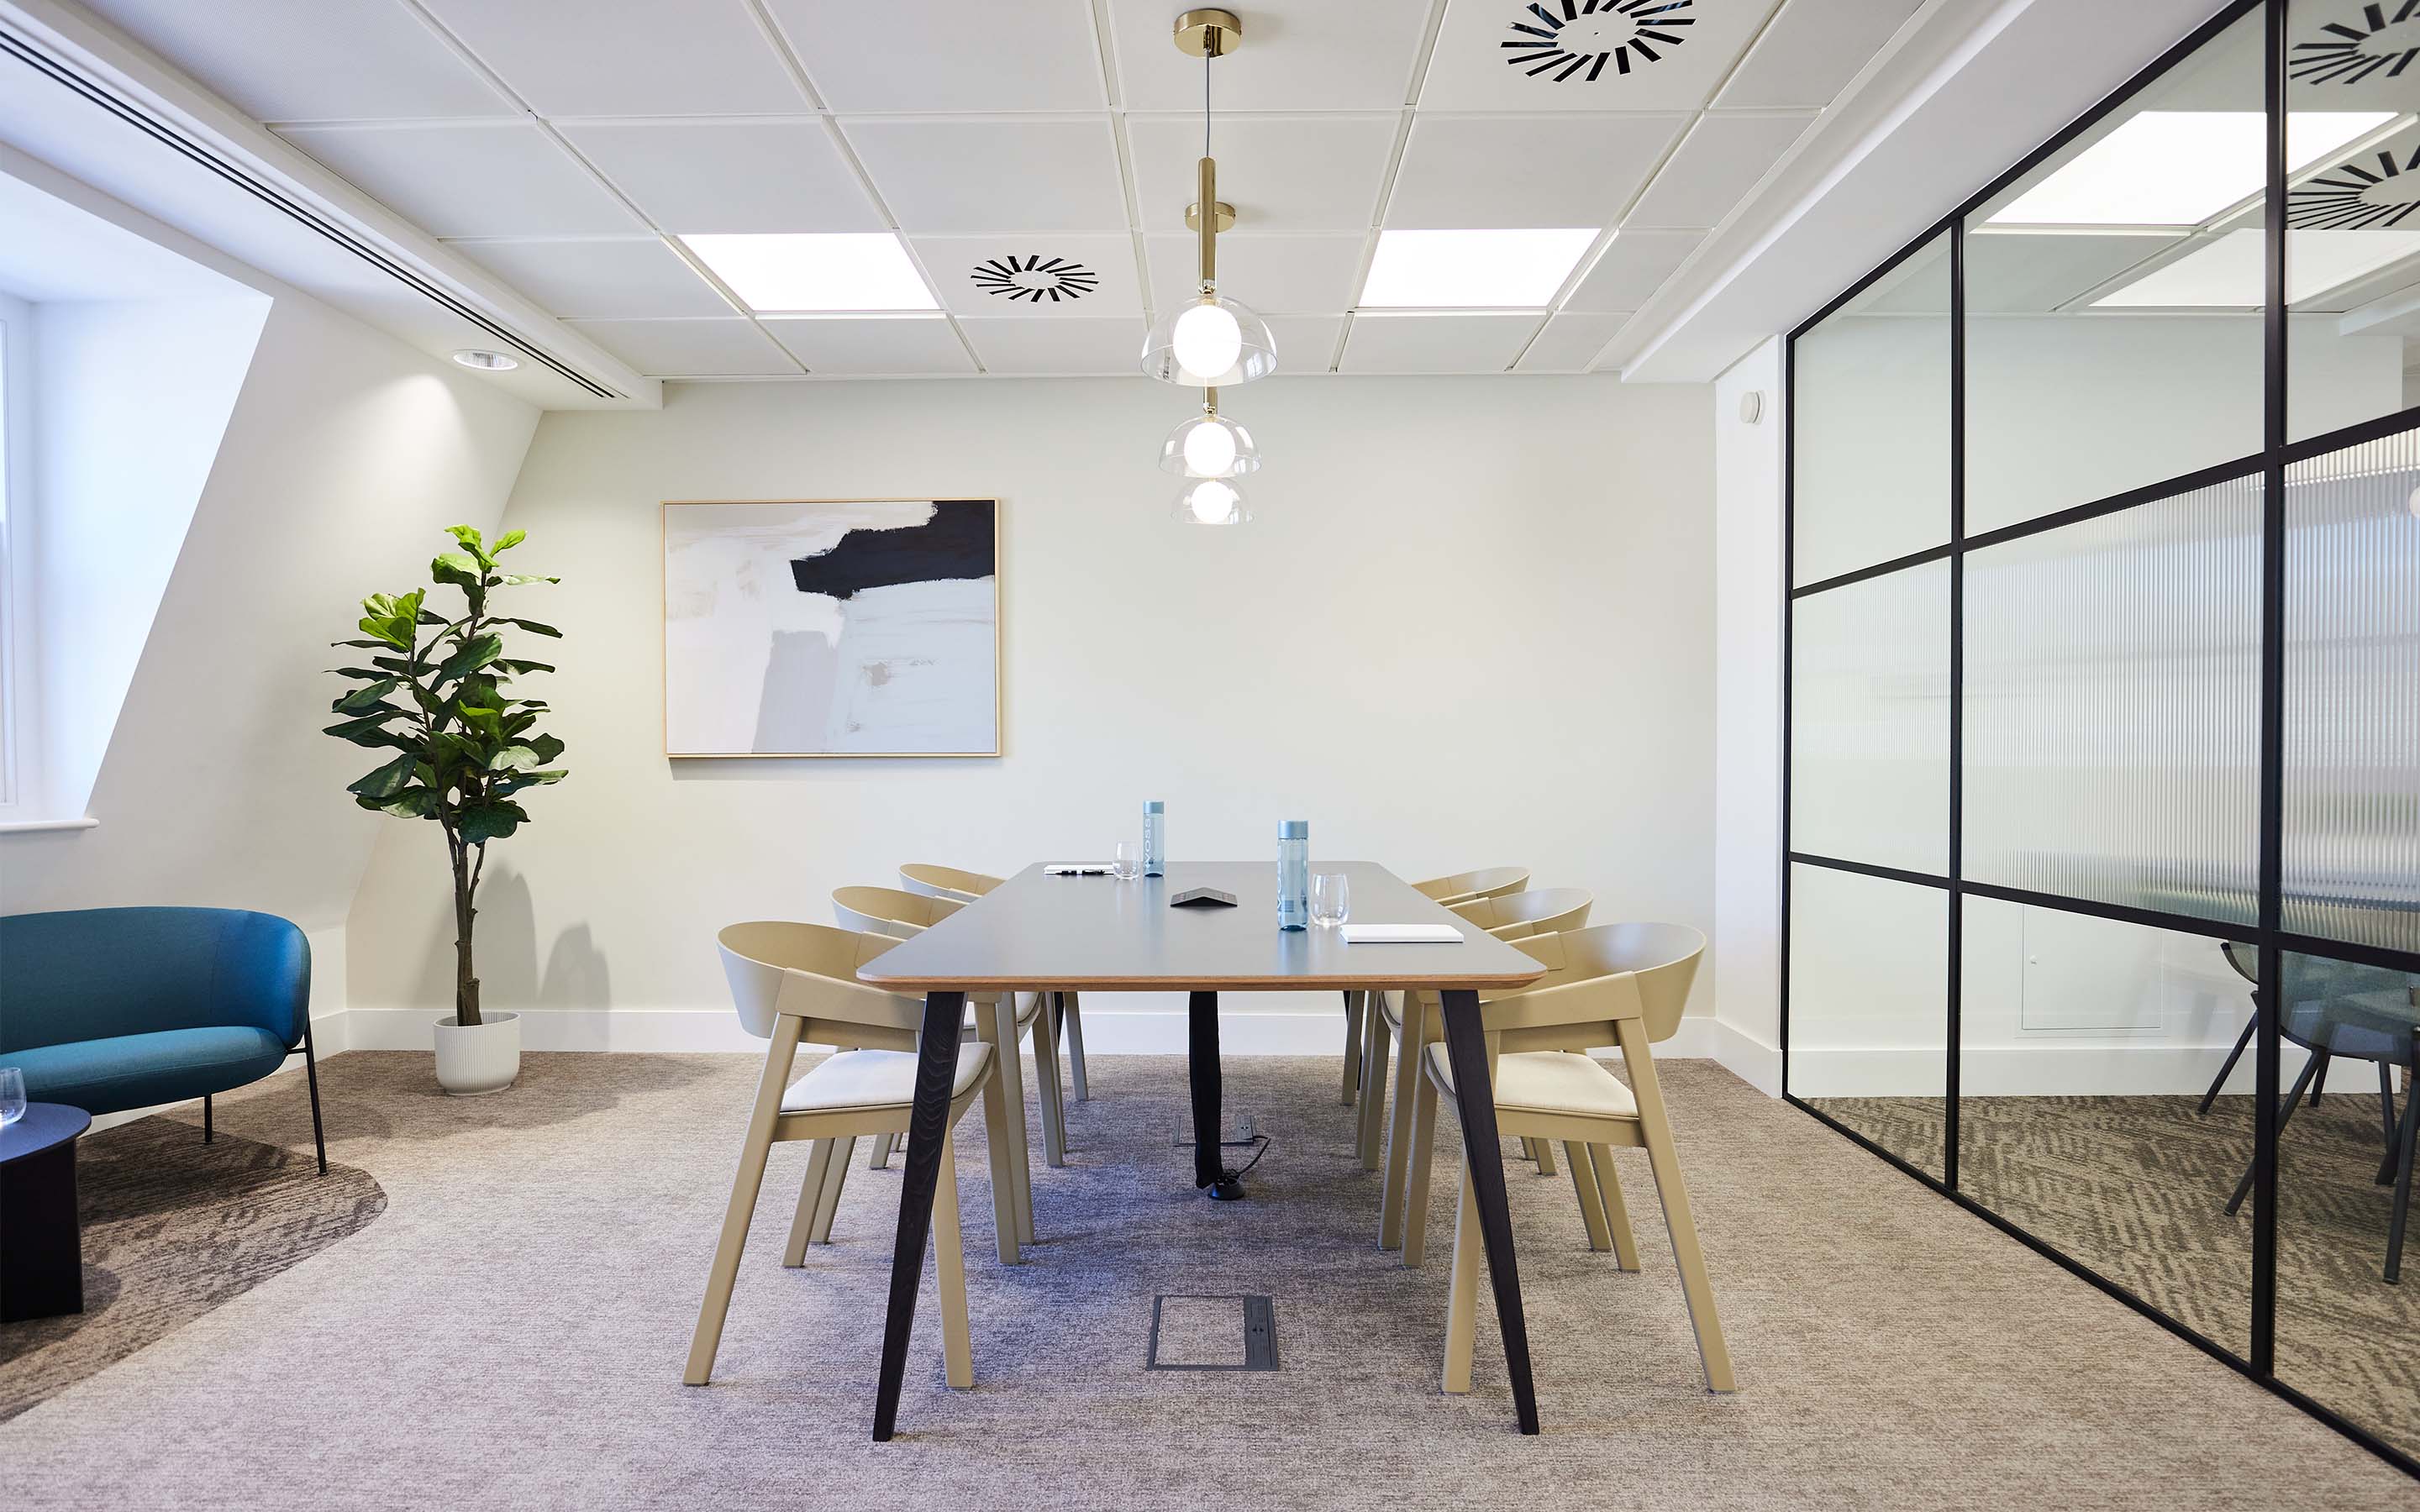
(1400, 933)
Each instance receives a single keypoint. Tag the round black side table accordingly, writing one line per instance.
(41, 1267)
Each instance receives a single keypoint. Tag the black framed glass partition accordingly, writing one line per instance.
(2102, 701)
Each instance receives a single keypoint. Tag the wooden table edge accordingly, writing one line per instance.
(1387, 981)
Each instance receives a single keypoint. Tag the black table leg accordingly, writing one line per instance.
(1209, 1115)
(937, 1069)
(1466, 1047)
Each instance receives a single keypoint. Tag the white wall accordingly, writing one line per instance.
(1471, 625)
(345, 454)
(1748, 716)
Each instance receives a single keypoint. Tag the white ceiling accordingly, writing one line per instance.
(564, 148)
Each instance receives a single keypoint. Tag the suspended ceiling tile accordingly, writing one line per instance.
(1665, 56)
(1037, 276)
(492, 178)
(1635, 265)
(729, 347)
(304, 60)
(2032, 272)
(1470, 172)
(1811, 50)
(978, 175)
(600, 280)
(1305, 342)
(668, 57)
(1294, 54)
(1714, 168)
(711, 177)
(1437, 342)
(946, 55)
(1012, 345)
(1307, 274)
(1570, 342)
(860, 345)
(1281, 172)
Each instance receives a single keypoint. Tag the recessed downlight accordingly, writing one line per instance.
(486, 360)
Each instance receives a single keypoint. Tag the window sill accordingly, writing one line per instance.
(15, 827)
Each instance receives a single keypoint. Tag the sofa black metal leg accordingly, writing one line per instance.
(205, 1117)
(311, 1070)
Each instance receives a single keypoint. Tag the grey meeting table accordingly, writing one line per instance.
(1039, 932)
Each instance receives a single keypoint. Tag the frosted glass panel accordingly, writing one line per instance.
(1869, 710)
(1870, 424)
(1870, 1007)
(2353, 695)
(2113, 706)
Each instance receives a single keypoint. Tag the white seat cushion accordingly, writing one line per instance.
(874, 1078)
(1550, 1081)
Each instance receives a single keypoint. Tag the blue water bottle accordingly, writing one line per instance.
(1294, 875)
(1154, 839)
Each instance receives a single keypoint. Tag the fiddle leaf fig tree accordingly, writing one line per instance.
(436, 694)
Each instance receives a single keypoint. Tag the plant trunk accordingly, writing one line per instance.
(466, 981)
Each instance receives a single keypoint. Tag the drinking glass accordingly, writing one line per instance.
(1127, 864)
(12, 1095)
(1331, 899)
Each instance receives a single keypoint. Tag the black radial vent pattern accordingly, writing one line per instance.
(1033, 279)
(1562, 40)
(2367, 193)
(2349, 51)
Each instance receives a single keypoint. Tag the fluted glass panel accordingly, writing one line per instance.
(1868, 1007)
(2352, 694)
(1869, 401)
(1870, 715)
(2112, 706)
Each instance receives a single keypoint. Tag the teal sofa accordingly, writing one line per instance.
(111, 1009)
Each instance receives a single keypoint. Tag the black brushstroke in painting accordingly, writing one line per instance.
(955, 543)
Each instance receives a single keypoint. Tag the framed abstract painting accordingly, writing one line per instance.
(831, 627)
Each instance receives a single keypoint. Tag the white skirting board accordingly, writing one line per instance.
(1107, 1031)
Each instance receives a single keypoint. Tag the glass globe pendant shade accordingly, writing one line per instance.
(1212, 502)
(1209, 342)
(1209, 446)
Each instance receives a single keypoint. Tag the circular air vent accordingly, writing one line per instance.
(1577, 38)
(1034, 279)
(2359, 44)
(2364, 193)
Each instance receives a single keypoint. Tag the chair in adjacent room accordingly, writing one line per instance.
(797, 983)
(906, 915)
(1067, 1012)
(1511, 916)
(1621, 984)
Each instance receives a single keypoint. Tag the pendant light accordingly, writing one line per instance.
(1209, 341)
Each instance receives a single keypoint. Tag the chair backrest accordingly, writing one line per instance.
(1608, 972)
(808, 971)
(890, 911)
(1463, 885)
(1515, 915)
(946, 882)
(98, 973)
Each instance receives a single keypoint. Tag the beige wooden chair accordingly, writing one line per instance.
(794, 984)
(1508, 917)
(906, 915)
(1459, 887)
(1622, 984)
(1067, 1024)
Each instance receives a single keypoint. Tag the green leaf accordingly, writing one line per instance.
(357, 672)
(454, 568)
(512, 580)
(387, 780)
(518, 667)
(363, 699)
(472, 543)
(515, 758)
(491, 820)
(412, 803)
(533, 626)
(386, 633)
(371, 730)
(476, 652)
(547, 747)
(488, 722)
(366, 645)
(510, 539)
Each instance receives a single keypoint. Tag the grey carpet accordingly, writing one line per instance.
(172, 1228)
(2136, 1188)
(511, 1333)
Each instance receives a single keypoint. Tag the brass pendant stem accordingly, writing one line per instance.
(1209, 232)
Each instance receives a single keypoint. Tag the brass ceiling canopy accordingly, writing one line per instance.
(1208, 33)
(1193, 216)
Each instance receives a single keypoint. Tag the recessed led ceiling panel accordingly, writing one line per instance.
(2227, 273)
(1472, 270)
(855, 271)
(2177, 167)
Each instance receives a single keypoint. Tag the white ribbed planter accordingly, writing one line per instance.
(485, 1057)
